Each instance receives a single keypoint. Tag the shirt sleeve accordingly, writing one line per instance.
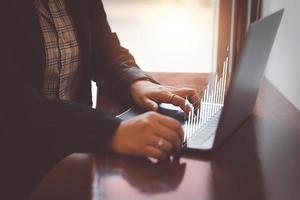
(76, 127)
(115, 68)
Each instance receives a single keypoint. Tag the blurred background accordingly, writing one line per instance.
(166, 35)
(196, 36)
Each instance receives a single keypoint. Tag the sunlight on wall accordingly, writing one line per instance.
(165, 35)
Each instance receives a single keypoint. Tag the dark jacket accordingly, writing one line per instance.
(35, 131)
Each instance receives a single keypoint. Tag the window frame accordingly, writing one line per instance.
(234, 18)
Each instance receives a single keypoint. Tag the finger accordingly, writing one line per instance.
(149, 104)
(195, 100)
(185, 92)
(192, 94)
(162, 137)
(169, 97)
(197, 107)
(169, 135)
(163, 97)
(171, 124)
(181, 102)
(160, 143)
(172, 98)
(154, 152)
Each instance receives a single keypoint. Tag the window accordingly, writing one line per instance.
(165, 35)
(234, 17)
(182, 35)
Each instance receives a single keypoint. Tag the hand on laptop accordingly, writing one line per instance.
(148, 95)
(150, 134)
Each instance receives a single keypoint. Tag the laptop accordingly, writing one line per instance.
(241, 93)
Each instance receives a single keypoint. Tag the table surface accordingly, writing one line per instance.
(259, 162)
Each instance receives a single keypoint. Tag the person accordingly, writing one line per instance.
(50, 50)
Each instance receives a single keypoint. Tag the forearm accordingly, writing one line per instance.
(114, 68)
(75, 124)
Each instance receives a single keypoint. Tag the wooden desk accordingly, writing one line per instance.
(261, 161)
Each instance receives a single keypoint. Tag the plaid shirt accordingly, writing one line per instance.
(61, 78)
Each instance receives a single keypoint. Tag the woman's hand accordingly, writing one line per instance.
(150, 134)
(148, 95)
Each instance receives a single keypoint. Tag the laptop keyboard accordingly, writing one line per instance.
(197, 133)
(206, 131)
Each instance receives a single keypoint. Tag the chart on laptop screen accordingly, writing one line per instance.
(211, 104)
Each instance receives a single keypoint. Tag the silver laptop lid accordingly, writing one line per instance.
(245, 82)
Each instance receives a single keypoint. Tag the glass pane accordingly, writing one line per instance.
(165, 35)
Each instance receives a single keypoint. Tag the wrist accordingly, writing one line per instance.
(111, 143)
(134, 86)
